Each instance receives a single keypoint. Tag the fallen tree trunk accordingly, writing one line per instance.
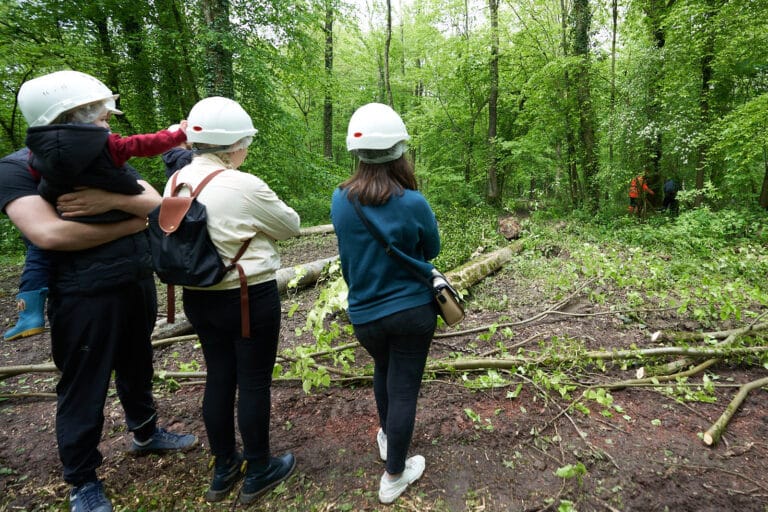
(717, 335)
(478, 269)
(462, 278)
(509, 363)
(317, 230)
(678, 365)
(11, 371)
(310, 274)
(713, 434)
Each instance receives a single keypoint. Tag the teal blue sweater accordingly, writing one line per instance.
(378, 284)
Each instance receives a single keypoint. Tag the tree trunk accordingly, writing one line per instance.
(706, 81)
(493, 194)
(764, 190)
(388, 41)
(612, 106)
(312, 271)
(582, 19)
(570, 143)
(176, 88)
(328, 101)
(219, 80)
(139, 70)
(655, 11)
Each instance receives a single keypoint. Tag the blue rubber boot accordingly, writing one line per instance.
(31, 315)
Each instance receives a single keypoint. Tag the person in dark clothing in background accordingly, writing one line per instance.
(177, 157)
(670, 196)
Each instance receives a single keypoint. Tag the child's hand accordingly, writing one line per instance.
(183, 125)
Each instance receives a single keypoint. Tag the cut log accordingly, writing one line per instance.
(478, 269)
(317, 230)
(311, 273)
(714, 433)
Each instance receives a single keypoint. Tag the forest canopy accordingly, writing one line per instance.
(535, 103)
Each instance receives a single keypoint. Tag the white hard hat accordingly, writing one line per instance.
(375, 126)
(46, 97)
(218, 121)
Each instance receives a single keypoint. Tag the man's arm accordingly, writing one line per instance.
(39, 222)
(92, 201)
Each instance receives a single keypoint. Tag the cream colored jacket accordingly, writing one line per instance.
(240, 206)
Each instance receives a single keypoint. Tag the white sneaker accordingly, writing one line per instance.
(381, 439)
(389, 489)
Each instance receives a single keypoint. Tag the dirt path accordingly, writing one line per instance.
(486, 450)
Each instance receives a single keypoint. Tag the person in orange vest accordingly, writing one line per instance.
(637, 190)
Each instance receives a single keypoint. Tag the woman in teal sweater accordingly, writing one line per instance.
(393, 313)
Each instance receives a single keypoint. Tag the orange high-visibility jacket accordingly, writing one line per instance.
(636, 184)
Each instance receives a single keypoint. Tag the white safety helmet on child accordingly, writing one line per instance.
(43, 99)
(376, 134)
(218, 121)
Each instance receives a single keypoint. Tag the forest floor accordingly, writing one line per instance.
(487, 450)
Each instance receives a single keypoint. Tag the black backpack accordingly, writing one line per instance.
(182, 250)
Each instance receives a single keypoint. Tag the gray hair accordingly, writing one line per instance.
(201, 147)
(84, 114)
(380, 156)
(222, 152)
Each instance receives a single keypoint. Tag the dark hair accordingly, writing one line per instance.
(374, 184)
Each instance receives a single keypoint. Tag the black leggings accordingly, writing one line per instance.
(236, 364)
(399, 344)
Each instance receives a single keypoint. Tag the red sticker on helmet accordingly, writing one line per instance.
(357, 135)
(197, 128)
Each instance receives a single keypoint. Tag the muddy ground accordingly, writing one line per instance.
(486, 451)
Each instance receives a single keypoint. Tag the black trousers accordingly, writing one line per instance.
(399, 344)
(237, 368)
(91, 336)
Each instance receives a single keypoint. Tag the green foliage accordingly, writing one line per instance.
(11, 245)
(577, 471)
(464, 231)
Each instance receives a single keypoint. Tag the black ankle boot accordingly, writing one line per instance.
(226, 473)
(259, 480)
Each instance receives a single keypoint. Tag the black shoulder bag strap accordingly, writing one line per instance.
(388, 247)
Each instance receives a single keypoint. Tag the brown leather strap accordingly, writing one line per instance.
(245, 315)
(205, 181)
(171, 295)
(175, 189)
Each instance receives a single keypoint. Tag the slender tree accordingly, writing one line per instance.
(493, 193)
(387, 44)
(328, 97)
(582, 17)
(570, 138)
(704, 99)
(218, 77)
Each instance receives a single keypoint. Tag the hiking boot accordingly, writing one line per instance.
(31, 321)
(163, 441)
(390, 489)
(381, 440)
(226, 474)
(260, 480)
(89, 497)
